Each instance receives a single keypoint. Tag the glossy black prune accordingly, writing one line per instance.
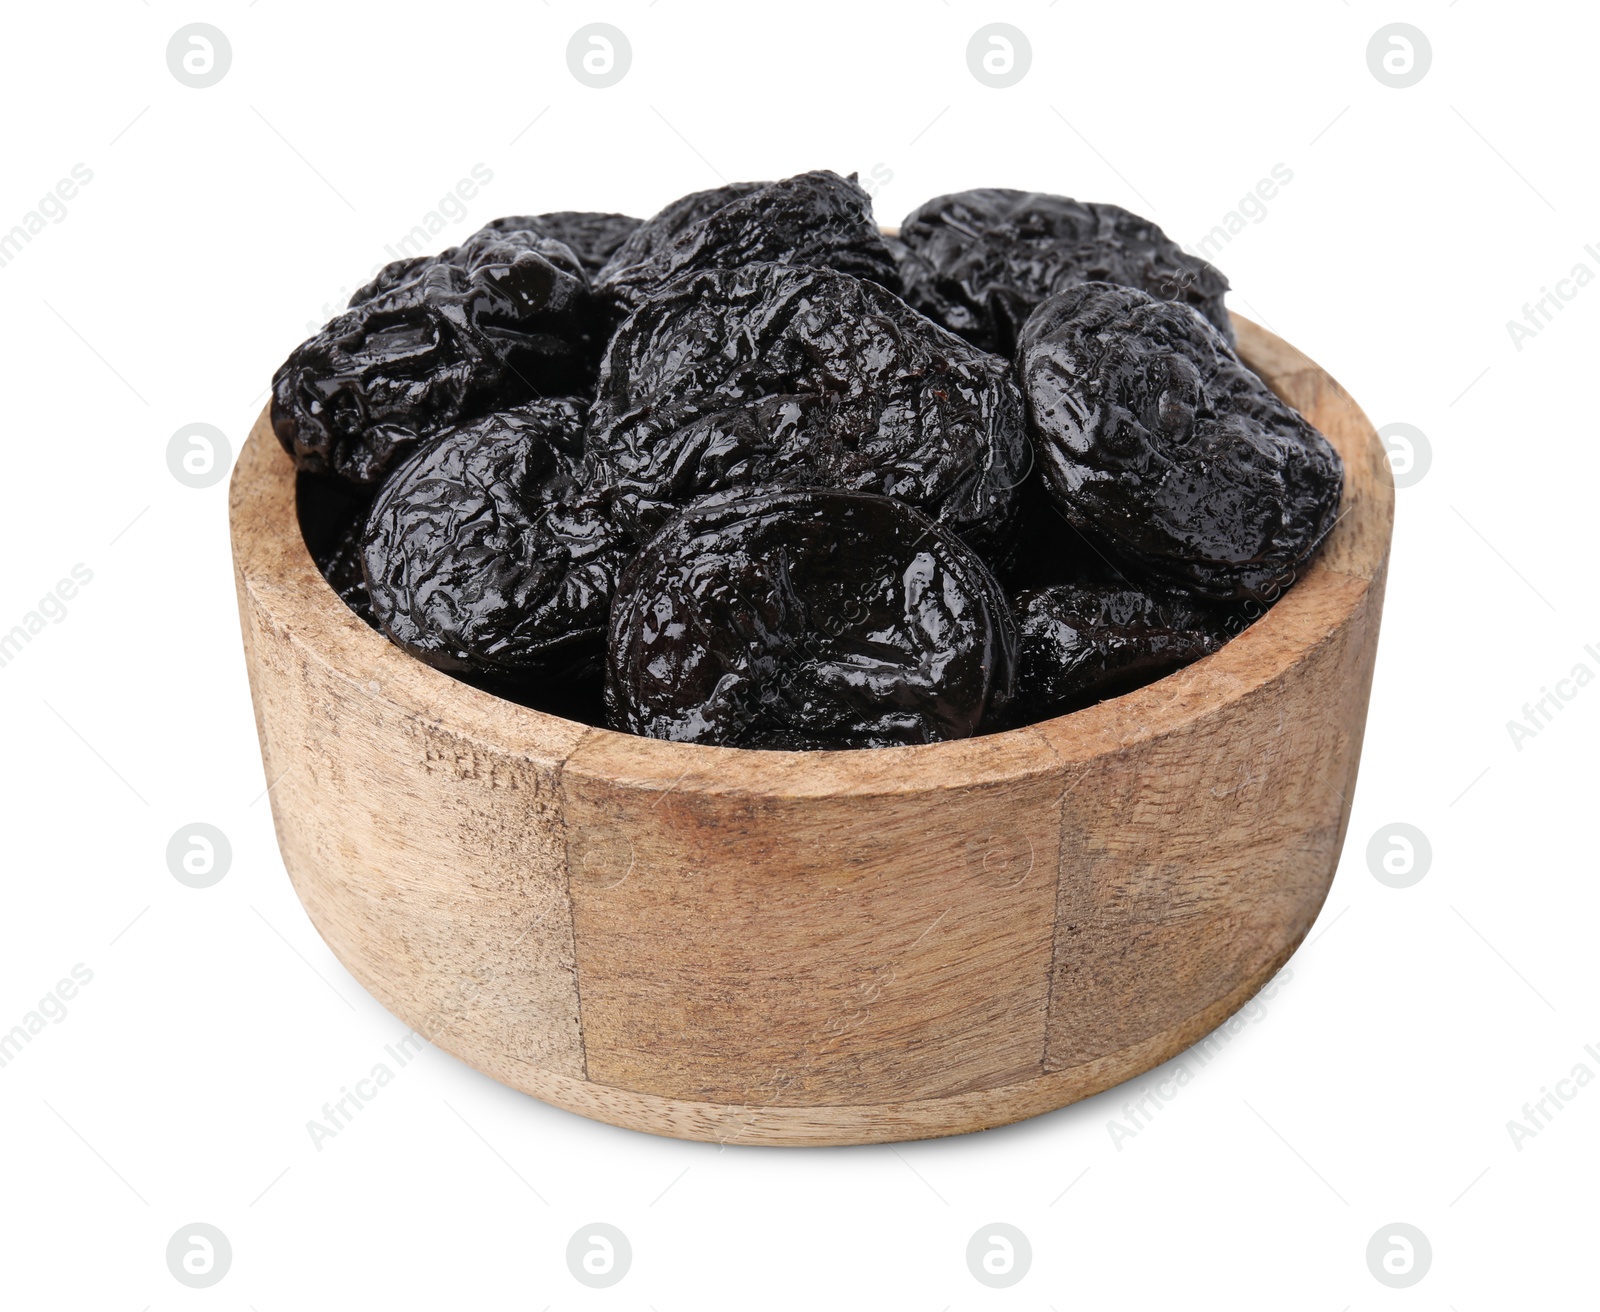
(652, 236)
(807, 619)
(590, 236)
(1155, 438)
(508, 316)
(483, 553)
(814, 219)
(593, 236)
(502, 235)
(1083, 642)
(980, 261)
(771, 374)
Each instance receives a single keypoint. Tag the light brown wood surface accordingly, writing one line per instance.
(817, 948)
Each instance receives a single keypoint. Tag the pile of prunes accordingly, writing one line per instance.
(751, 473)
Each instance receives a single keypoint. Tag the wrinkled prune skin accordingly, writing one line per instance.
(807, 619)
(774, 375)
(591, 235)
(507, 317)
(1083, 642)
(817, 220)
(1155, 438)
(980, 261)
(484, 555)
(497, 242)
(652, 236)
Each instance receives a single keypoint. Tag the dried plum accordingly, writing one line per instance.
(815, 219)
(592, 236)
(807, 619)
(770, 374)
(1083, 642)
(1156, 439)
(484, 554)
(495, 242)
(651, 237)
(508, 317)
(980, 261)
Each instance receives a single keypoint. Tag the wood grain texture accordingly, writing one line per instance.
(843, 947)
(811, 948)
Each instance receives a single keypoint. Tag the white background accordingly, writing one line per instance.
(1374, 1086)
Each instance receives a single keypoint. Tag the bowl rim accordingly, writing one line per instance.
(275, 571)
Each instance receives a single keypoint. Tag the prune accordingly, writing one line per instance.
(499, 240)
(980, 261)
(771, 374)
(1083, 642)
(484, 554)
(592, 236)
(807, 619)
(652, 236)
(507, 317)
(815, 219)
(1154, 438)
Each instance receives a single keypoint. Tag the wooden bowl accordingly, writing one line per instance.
(822, 947)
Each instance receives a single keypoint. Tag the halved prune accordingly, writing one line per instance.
(483, 553)
(807, 619)
(771, 374)
(1156, 439)
(814, 219)
(1083, 642)
(509, 316)
(980, 261)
